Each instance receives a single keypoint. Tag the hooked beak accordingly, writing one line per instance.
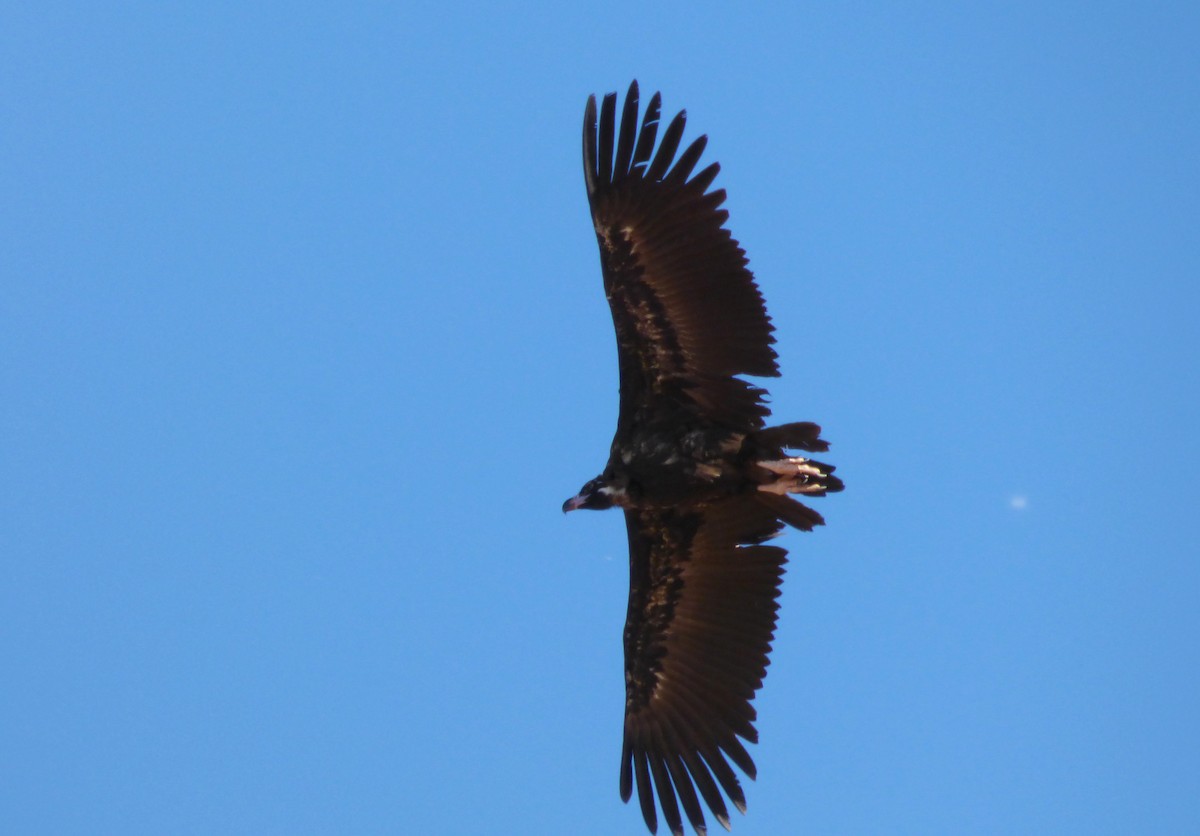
(574, 503)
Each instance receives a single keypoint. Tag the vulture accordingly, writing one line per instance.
(703, 481)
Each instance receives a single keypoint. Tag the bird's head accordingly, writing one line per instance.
(596, 495)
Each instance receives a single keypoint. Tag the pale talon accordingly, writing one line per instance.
(799, 475)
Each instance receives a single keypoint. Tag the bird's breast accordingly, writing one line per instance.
(670, 466)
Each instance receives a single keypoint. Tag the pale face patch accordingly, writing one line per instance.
(616, 494)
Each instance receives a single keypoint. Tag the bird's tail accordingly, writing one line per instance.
(800, 435)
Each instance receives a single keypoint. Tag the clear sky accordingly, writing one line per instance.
(303, 344)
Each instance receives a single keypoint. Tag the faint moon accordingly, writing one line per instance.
(1019, 502)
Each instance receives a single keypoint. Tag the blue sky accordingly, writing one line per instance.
(303, 344)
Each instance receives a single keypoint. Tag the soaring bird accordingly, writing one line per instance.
(703, 482)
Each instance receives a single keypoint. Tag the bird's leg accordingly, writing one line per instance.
(798, 475)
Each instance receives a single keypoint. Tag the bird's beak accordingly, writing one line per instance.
(574, 503)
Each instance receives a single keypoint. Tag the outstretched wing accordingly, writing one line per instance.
(687, 312)
(699, 627)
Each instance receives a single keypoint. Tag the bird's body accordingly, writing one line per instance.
(703, 482)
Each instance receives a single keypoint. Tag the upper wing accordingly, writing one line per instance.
(700, 623)
(687, 312)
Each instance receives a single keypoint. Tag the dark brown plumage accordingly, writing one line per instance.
(703, 483)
